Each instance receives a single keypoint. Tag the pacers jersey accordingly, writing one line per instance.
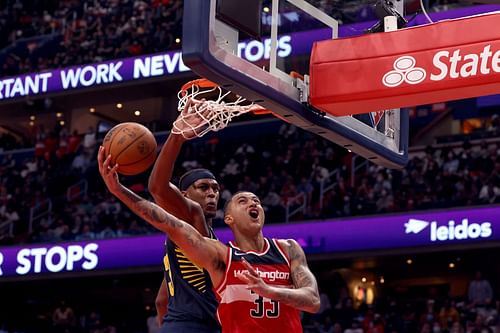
(241, 310)
(191, 299)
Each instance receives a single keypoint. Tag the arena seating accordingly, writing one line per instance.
(62, 169)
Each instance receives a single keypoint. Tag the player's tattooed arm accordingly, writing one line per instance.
(204, 252)
(304, 296)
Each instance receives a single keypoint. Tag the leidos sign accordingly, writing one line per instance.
(451, 231)
(446, 64)
(469, 227)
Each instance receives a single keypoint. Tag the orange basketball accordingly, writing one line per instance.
(132, 146)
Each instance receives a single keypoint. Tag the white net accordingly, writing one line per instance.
(200, 116)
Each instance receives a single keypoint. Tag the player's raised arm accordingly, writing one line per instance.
(204, 252)
(166, 194)
(304, 297)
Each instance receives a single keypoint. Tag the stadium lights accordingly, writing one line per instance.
(382, 280)
(409, 261)
(177, 40)
(58, 114)
(137, 113)
(363, 279)
(62, 123)
(92, 110)
(266, 9)
(451, 265)
(119, 105)
(32, 118)
(32, 123)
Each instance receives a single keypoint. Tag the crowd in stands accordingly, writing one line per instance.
(83, 31)
(61, 319)
(36, 35)
(476, 312)
(390, 311)
(286, 174)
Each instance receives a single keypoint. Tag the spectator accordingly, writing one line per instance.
(448, 315)
(354, 327)
(85, 234)
(456, 327)
(89, 139)
(426, 328)
(430, 314)
(152, 322)
(480, 291)
(63, 318)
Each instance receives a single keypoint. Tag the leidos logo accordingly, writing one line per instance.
(448, 64)
(464, 230)
(415, 226)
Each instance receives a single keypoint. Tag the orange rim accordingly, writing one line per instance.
(296, 75)
(201, 83)
(205, 83)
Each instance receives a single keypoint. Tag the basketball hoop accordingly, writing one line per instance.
(210, 108)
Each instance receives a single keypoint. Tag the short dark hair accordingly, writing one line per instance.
(228, 202)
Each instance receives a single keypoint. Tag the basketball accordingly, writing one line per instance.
(132, 146)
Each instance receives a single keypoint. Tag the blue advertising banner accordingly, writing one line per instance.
(170, 63)
(457, 227)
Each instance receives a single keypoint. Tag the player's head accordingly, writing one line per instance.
(201, 186)
(244, 212)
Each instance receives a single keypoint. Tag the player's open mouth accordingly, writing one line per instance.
(211, 205)
(254, 213)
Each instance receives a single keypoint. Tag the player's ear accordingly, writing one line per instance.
(228, 219)
(184, 193)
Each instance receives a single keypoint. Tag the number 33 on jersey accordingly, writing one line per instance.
(241, 310)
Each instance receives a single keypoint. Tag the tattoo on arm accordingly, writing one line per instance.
(301, 275)
(149, 211)
(159, 218)
(305, 296)
(178, 230)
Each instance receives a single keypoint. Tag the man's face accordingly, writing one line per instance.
(246, 212)
(205, 192)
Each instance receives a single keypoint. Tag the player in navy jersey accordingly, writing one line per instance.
(265, 298)
(185, 301)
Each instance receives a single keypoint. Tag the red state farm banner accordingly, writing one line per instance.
(433, 63)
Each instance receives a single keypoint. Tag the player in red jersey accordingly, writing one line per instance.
(270, 294)
(272, 267)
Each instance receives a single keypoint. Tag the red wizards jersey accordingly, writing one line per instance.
(243, 311)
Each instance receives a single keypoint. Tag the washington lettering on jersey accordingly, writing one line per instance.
(271, 276)
(241, 310)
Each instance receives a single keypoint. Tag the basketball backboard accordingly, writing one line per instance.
(259, 70)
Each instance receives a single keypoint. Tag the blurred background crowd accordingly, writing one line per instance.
(299, 170)
(51, 191)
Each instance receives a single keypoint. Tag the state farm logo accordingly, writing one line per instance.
(404, 71)
(451, 230)
(447, 65)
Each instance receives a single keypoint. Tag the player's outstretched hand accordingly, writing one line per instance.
(194, 118)
(254, 281)
(108, 173)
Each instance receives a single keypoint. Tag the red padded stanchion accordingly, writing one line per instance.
(438, 62)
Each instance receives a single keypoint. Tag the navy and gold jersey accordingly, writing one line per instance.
(191, 300)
